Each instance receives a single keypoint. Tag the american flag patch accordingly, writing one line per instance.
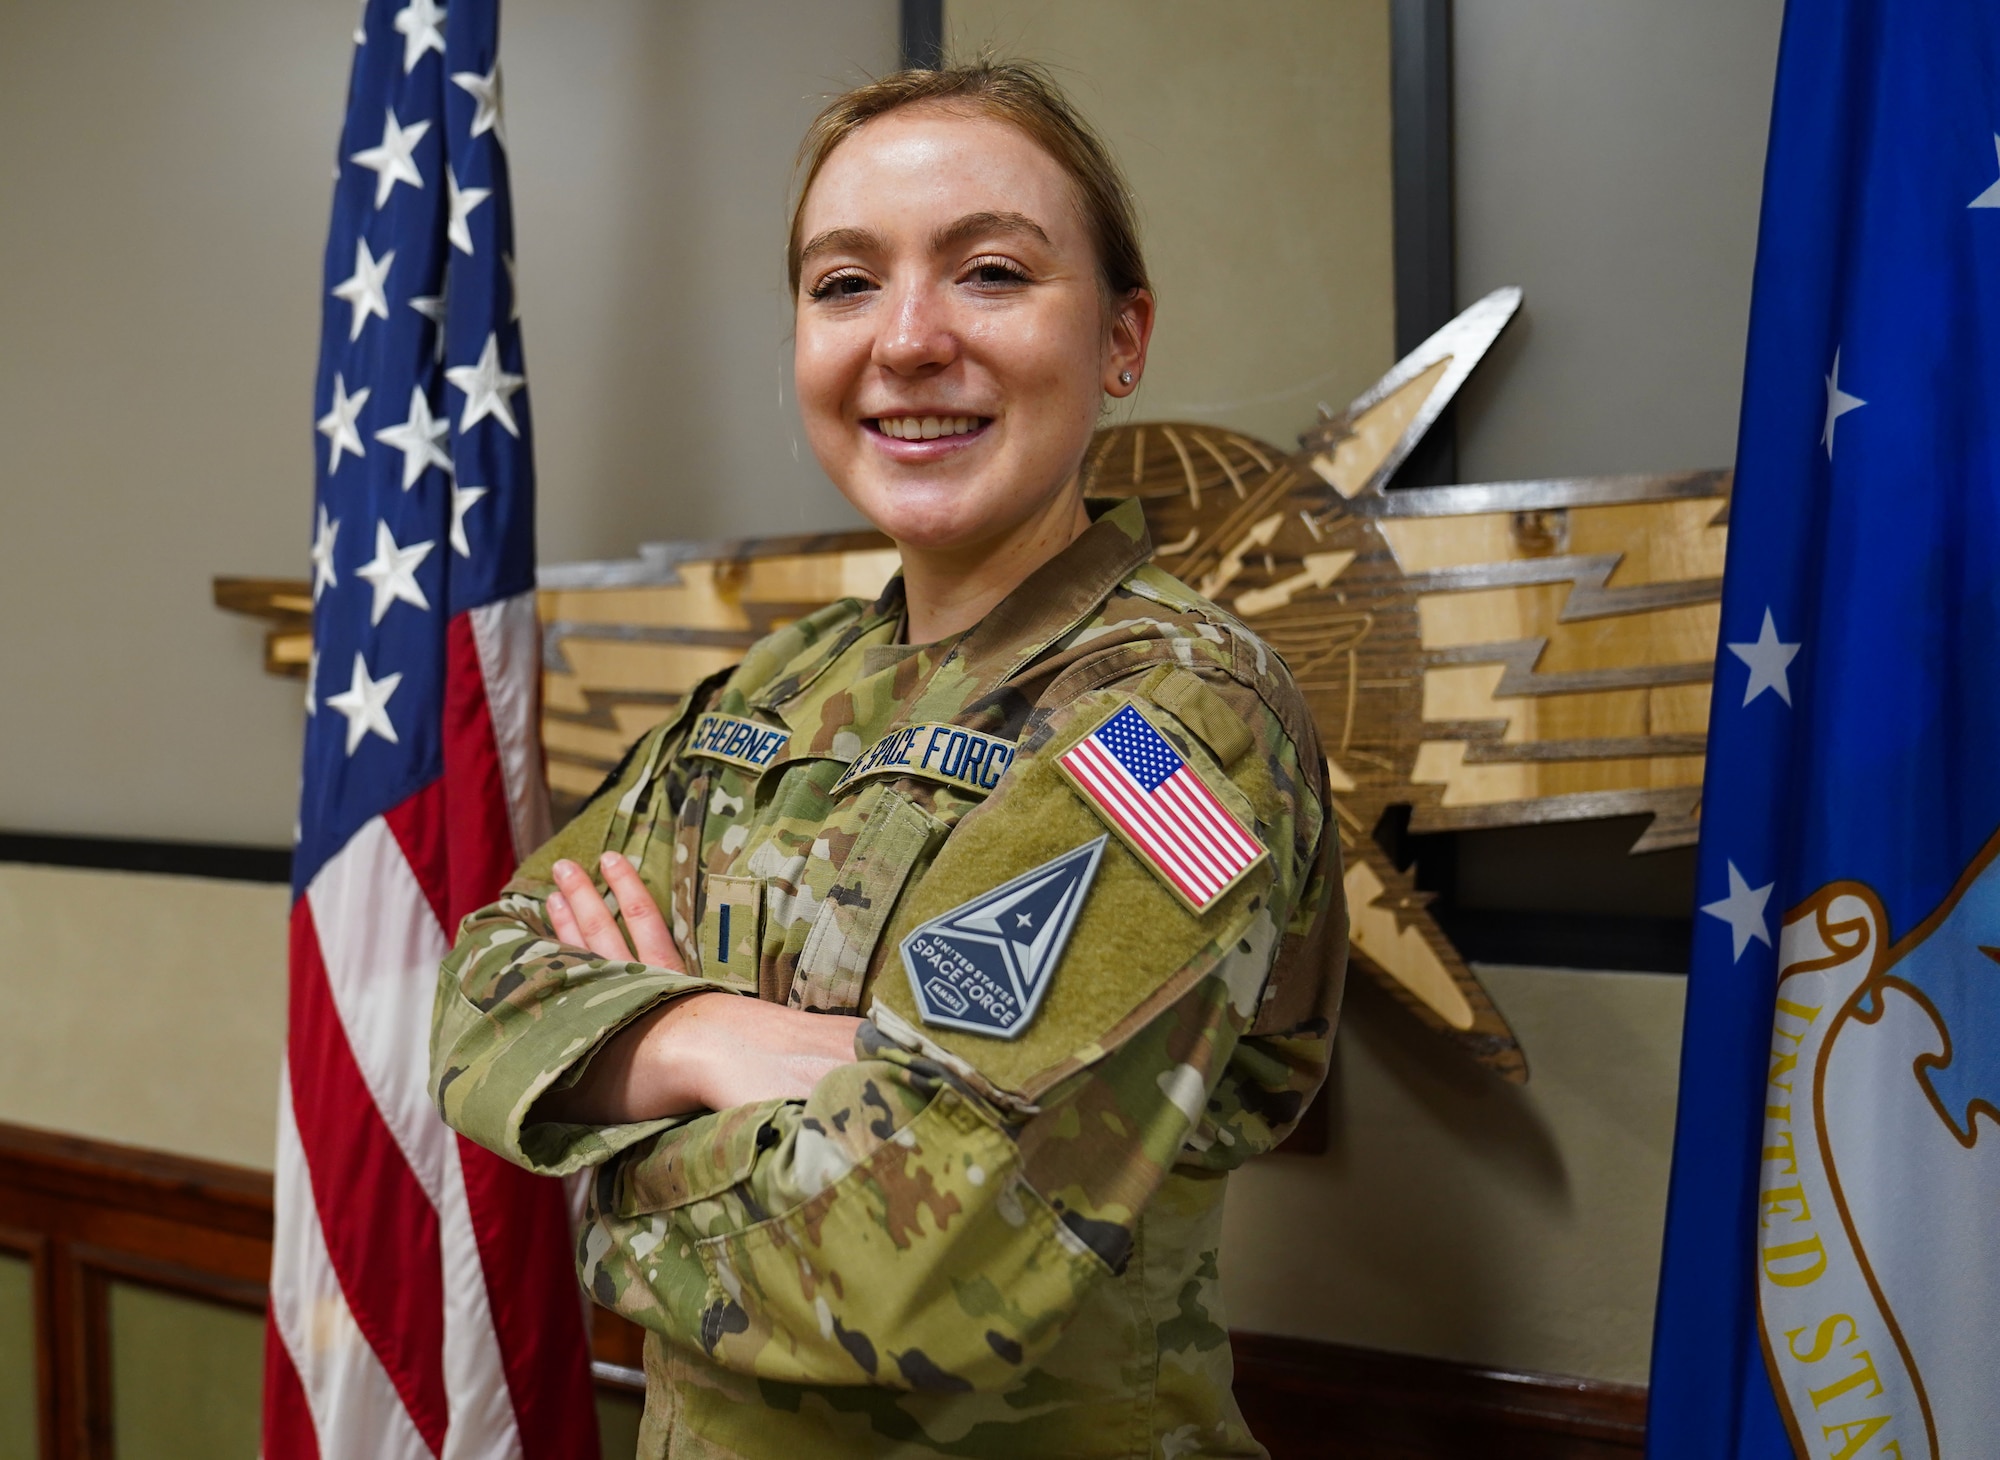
(1160, 808)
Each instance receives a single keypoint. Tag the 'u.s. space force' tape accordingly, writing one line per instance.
(948, 753)
(743, 743)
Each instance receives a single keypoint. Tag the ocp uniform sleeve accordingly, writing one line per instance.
(518, 1012)
(931, 1215)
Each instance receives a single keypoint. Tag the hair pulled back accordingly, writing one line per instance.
(1016, 92)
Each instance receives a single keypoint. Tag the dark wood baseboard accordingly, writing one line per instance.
(1306, 1400)
(89, 1213)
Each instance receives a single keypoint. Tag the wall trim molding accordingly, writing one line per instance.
(225, 861)
(1303, 1397)
(87, 1213)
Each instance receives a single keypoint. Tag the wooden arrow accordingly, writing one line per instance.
(1320, 570)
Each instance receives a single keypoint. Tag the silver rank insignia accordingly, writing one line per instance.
(984, 966)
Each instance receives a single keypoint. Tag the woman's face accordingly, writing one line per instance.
(952, 344)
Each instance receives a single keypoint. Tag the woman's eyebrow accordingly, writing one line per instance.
(843, 240)
(987, 225)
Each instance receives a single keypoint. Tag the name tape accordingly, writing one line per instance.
(948, 753)
(743, 743)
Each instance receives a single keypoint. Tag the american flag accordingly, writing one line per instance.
(1144, 788)
(422, 1301)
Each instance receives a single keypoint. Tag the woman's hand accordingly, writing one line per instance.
(701, 1051)
(582, 920)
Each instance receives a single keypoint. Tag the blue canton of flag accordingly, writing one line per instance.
(425, 501)
(1831, 1278)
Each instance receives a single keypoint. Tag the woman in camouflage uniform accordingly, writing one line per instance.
(913, 990)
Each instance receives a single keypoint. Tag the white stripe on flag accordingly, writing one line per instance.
(1185, 788)
(1170, 846)
(1198, 868)
(355, 1409)
(381, 945)
(1198, 822)
(510, 660)
(1108, 784)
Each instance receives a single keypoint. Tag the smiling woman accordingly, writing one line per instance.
(963, 252)
(914, 989)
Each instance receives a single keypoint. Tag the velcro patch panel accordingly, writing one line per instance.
(947, 753)
(745, 743)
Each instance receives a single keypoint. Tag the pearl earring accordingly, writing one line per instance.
(1124, 377)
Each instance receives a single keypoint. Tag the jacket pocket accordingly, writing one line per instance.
(930, 1265)
(898, 837)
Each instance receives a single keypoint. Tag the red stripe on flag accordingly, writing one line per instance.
(1169, 841)
(417, 823)
(1131, 817)
(1210, 818)
(381, 1230)
(522, 1224)
(521, 1221)
(477, 827)
(288, 1421)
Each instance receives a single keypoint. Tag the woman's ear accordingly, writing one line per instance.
(1125, 348)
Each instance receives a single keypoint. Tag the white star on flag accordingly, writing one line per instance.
(312, 698)
(420, 439)
(431, 307)
(361, 25)
(1743, 910)
(391, 157)
(365, 703)
(1838, 404)
(463, 201)
(364, 288)
(462, 499)
(485, 93)
(393, 572)
(337, 425)
(420, 23)
(1768, 660)
(488, 389)
(322, 553)
(1991, 197)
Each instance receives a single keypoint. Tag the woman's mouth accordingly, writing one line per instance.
(926, 428)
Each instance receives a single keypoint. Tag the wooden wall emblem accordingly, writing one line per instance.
(1485, 655)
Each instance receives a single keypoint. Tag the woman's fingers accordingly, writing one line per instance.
(564, 921)
(595, 927)
(651, 938)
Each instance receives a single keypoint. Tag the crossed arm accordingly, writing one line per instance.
(704, 1051)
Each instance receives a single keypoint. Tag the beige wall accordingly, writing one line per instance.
(1610, 156)
(145, 1010)
(1256, 140)
(1516, 1226)
(163, 208)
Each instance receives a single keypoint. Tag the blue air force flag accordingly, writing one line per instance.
(1831, 1284)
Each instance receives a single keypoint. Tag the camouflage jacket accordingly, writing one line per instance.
(995, 1233)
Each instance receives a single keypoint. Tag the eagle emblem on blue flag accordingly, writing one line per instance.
(984, 966)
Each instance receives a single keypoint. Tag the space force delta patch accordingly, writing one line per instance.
(984, 966)
(948, 753)
(744, 743)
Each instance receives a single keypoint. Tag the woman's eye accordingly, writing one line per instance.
(836, 286)
(995, 271)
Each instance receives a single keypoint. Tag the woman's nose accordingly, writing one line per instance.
(916, 334)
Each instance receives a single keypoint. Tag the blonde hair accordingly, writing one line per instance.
(1021, 94)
